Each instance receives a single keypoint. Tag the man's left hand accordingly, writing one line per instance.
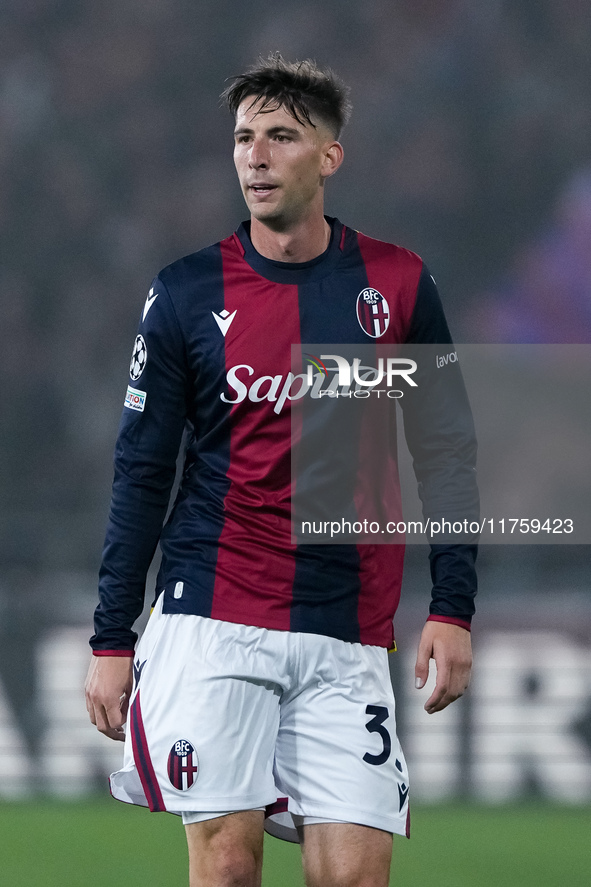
(451, 648)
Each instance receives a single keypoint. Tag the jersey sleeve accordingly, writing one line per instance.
(440, 435)
(147, 446)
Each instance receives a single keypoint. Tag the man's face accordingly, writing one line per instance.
(281, 164)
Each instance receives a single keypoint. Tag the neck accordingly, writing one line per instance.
(301, 243)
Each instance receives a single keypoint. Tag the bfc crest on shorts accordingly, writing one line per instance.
(183, 765)
(373, 312)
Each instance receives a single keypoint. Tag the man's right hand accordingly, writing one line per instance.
(108, 688)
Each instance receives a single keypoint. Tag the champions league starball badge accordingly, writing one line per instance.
(138, 358)
(183, 765)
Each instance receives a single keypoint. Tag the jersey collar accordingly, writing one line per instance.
(293, 272)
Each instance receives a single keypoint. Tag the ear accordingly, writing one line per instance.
(333, 155)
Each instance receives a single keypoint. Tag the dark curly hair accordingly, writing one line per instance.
(302, 88)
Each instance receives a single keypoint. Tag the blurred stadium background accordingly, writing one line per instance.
(470, 143)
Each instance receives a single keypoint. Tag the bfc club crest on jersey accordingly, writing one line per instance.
(138, 358)
(373, 312)
(183, 765)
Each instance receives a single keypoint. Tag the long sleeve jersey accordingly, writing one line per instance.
(213, 355)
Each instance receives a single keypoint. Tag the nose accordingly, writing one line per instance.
(259, 155)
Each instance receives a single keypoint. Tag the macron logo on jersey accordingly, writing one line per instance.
(223, 320)
(149, 302)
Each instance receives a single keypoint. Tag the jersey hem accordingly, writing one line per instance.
(235, 618)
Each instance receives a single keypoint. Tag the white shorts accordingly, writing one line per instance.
(227, 717)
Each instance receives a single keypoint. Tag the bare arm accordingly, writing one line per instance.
(108, 688)
(451, 648)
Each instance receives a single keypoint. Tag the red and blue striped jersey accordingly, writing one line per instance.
(213, 355)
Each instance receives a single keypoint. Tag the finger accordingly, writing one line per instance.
(124, 706)
(435, 702)
(422, 664)
(438, 701)
(110, 722)
(450, 689)
(115, 717)
(101, 720)
(118, 734)
(439, 698)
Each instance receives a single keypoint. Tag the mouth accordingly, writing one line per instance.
(262, 188)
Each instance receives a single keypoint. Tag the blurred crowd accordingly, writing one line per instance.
(469, 143)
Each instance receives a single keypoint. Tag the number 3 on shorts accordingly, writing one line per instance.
(376, 725)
